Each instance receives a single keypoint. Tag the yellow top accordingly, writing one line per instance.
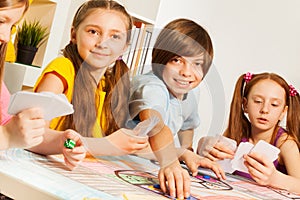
(64, 67)
(10, 55)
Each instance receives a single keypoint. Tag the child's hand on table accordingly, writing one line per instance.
(193, 161)
(175, 180)
(73, 151)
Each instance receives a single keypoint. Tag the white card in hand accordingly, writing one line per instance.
(268, 150)
(261, 147)
(53, 105)
(238, 160)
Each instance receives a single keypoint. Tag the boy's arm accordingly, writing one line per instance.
(186, 138)
(162, 144)
(160, 139)
(191, 159)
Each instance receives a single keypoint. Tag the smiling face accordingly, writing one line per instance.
(182, 74)
(265, 105)
(8, 17)
(101, 37)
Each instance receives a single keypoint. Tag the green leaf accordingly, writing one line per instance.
(32, 34)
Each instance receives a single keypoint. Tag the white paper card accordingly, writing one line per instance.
(261, 147)
(226, 165)
(53, 105)
(238, 160)
(266, 149)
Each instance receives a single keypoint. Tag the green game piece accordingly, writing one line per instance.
(70, 144)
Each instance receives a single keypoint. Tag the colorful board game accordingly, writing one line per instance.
(119, 177)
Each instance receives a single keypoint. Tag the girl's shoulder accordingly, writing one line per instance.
(289, 150)
(285, 140)
(61, 65)
(61, 61)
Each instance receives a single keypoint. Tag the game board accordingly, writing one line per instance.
(204, 186)
(150, 182)
(121, 177)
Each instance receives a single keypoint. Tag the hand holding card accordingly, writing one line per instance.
(261, 147)
(266, 149)
(232, 145)
(53, 105)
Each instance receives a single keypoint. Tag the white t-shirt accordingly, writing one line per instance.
(149, 92)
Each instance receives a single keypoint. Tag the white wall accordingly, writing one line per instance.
(67, 29)
(136, 8)
(250, 36)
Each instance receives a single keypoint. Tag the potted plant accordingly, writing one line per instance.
(30, 36)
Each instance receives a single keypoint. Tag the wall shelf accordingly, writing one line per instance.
(56, 14)
(53, 15)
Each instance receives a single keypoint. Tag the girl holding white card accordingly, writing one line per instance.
(266, 98)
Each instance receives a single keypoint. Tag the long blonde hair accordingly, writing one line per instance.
(83, 119)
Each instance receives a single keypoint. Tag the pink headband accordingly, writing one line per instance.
(293, 91)
(248, 77)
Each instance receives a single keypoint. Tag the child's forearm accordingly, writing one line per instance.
(162, 145)
(186, 138)
(183, 154)
(286, 182)
(161, 139)
(52, 143)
